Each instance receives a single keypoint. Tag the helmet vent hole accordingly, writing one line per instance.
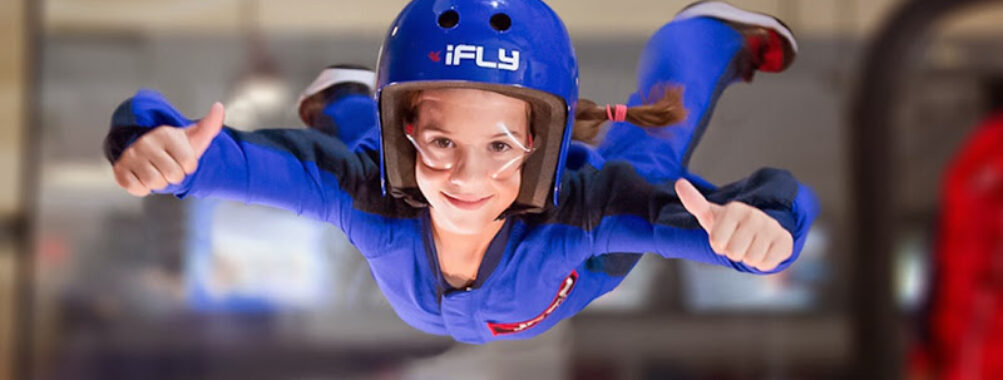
(449, 19)
(501, 22)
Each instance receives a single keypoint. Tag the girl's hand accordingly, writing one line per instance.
(166, 154)
(741, 232)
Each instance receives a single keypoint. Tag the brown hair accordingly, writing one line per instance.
(410, 108)
(666, 110)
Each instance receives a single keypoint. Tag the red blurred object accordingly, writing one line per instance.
(966, 316)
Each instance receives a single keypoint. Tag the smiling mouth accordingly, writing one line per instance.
(466, 204)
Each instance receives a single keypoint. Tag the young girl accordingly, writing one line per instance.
(478, 216)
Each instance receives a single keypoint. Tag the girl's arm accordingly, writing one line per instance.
(623, 212)
(298, 170)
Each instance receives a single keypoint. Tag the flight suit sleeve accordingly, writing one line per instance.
(620, 211)
(300, 170)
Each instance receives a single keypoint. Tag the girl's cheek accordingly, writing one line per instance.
(436, 177)
(422, 170)
(509, 187)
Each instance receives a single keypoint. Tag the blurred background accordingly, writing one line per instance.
(96, 284)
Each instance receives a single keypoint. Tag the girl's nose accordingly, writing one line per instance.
(470, 168)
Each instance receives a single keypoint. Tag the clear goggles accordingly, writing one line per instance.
(499, 156)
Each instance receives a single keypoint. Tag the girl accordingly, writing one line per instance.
(478, 216)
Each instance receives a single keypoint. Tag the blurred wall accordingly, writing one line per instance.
(12, 82)
(584, 17)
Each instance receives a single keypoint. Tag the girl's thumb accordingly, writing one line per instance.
(202, 133)
(696, 204)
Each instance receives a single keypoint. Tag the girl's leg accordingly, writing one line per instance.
(700, 55)
(350, 111)
(703, 55)
(354, 119)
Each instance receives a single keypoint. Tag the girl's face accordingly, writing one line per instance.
(471, 145)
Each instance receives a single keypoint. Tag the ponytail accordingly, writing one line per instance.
(667, 110)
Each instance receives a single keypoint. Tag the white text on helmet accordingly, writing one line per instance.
(456, 54)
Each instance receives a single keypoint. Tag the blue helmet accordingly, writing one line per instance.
(519, 48)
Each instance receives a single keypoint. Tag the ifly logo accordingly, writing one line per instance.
(506, 60)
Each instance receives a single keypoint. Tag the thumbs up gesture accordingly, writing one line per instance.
(166, 154)
(741, 232)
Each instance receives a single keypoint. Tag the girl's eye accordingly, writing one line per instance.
(442, 142)
(499, 147)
